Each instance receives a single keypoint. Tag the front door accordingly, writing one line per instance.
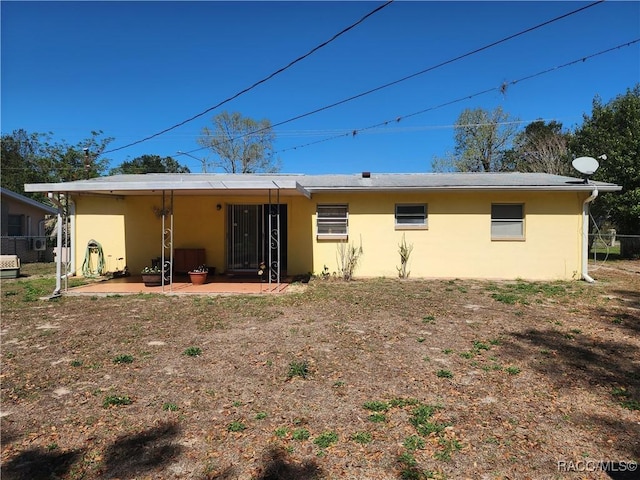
(256, 232)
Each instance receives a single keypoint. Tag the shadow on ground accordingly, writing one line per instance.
(131, 456)
(576, 360)
(277, 466)
(39, 464)
(148, 452)
(127, 457)
(627, 315)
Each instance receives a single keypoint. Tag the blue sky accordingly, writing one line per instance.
(132, 69)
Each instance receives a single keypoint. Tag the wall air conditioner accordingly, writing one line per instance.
(39, 243)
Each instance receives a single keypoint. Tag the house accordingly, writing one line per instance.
(464, 225)
(22, 230)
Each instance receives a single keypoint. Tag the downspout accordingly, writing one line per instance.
(71, 238)
(585, 235)
(56, 201)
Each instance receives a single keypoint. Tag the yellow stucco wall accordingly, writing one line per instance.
(128, 228)
(457, 242)
(101, 219)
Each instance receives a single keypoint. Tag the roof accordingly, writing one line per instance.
(299, 184)
(29, 201)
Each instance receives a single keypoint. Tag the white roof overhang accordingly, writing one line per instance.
(250, 186)
(306, 185)
(602, 187)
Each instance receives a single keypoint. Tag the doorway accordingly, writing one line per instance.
(256, 234)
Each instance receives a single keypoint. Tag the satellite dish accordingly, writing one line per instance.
(586, 165)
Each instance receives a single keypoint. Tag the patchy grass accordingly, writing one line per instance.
(192, 352)
(326, 439)
(116, 400)
(123, 358)
(556, 361)
(298, 369)
(236, 426)
(170, 407)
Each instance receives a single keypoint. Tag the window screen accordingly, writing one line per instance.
(332, 220)
(507, 221)
(411, 215)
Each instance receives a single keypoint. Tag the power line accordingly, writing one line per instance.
(408, 77)
(502, 87)
(267, 78)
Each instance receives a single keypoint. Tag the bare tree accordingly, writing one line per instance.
(542, 147)
(240, 144)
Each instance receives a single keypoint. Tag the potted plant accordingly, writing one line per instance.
(198, 275)
(152, 276)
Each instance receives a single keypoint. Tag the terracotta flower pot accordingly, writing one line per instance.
(198, 278)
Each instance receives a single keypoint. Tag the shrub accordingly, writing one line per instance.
(348, 258)
(405, 252)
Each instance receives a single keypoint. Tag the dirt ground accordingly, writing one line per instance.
(370, 379)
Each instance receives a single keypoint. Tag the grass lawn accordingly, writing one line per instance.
(369, 379)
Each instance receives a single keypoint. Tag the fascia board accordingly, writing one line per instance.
(586, 188)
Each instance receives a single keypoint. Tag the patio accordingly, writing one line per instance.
(220, 284)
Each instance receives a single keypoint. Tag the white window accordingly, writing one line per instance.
(411, 216)
(333, 221)
(507, 221)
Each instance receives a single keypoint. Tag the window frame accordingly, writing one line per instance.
(336, 221)
(411, 226)
(497, 221)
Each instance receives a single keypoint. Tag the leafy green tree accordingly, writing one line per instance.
(34, 158)
(149, 164)
(482, 139)
(80, 161)
(542, 147)
(240, 144)
(613, 129)
(22, 159)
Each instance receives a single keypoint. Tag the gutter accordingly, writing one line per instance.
(585, 235)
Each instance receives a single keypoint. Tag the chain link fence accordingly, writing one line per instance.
(29, 249)
(610, 245)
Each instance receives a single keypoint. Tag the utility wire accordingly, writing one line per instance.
(502, 88)
(267, 78)
(408, 77)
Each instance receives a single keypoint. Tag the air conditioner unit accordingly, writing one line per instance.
(39, 243)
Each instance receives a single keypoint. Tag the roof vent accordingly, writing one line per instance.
(366, 174)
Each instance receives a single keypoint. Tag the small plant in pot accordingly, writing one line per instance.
(198, 275)
(152, 276)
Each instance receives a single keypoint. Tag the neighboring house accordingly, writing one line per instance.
(22, 230)
(461, 225)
